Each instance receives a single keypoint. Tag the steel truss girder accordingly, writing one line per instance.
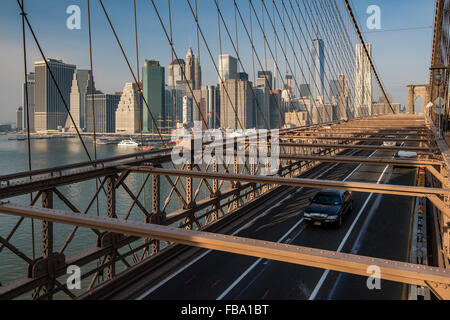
(437, 278)
(299, 182)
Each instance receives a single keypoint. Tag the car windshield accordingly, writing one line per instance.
(327, 199)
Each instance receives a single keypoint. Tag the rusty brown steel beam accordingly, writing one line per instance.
(420, 150)
(299, 182)
(335, 261)
(359, 133)
(333, 137)
(359, 160)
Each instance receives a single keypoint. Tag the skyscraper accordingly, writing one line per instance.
(363, 82)
(31, 101)
(228, 68)
(262, 108)
(264, 79)
(193, 70)
(173, 111)
(154, 94)
(105, 106)
(128, 114)
(50, 111)
(81, 86)
(19, 117)
(343, 97)
(334, 86)
(187, 110)
(236, 104)
(318, 69)
(305, 90)
(275, 105)
(176, 70)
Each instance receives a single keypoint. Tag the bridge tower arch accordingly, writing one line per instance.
(416, 91)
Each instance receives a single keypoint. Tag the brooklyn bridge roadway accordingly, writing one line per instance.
(379, 226)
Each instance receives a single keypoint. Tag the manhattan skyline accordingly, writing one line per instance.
(70, 45)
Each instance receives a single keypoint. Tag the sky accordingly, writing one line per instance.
(401, 57)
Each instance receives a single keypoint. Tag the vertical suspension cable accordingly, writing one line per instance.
(92, 95)
(27, 112)
(141, 119)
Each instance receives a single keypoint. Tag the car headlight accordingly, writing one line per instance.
(333, 217)
(308, 215)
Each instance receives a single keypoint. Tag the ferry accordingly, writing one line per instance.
(128, 143)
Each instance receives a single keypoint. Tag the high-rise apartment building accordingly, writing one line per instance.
(50, 111)
(363, 82)
(343, 103)
(154, 94)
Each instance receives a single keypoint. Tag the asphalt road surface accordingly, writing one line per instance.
(379, 226)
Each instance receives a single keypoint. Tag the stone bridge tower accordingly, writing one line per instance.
(415, 91)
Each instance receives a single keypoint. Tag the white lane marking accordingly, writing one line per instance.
(154, 288)
(356, 246)
(246, 272)
(242, 276)
(151, 290)
(341, 246)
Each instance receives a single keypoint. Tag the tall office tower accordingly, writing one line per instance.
(363, 81)
(187, 110)
(207, 100)
(199, 104)
(343, 98)
(50, 111)
(173, 111)
(19, 119)
(81, 86)
(275, 106)
(262, 108)
(128, 114)
(265, 79)
(190, 68)
(154, 94)
(30, 84)
(305, 90)
(318, 70)
(228, 68)
(105, 106)
(176, 70)
(193, 71)
(198, 73)
(213, 107)
(236, 104)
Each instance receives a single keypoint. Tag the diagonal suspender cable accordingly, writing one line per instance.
(361, 38)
